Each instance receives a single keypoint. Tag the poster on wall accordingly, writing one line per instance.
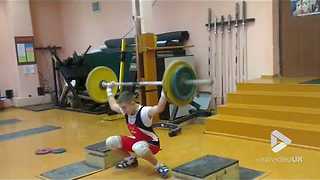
(25, 50)
(305, 7)
(21, 53)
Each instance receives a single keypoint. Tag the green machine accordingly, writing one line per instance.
(75, 70)
(77, 67)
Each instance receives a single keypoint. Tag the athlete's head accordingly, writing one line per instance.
(127, 103)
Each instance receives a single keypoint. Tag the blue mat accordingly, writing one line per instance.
(28, 132)
(246, 174)
(8, 121)
(71, 171)
(313, 81)
(40, 107)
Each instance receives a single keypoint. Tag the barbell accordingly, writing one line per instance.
(179, 83)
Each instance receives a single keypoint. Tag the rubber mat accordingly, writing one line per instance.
(27, 132)
(204, 166)
(95, 112)
(71, 171)
(313, 81)
(9, 121)
(99, 147)
(248, 174)
(40, 107)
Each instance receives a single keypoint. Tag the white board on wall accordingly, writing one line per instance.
(29, 69)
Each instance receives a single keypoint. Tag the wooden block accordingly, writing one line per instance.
(103, 161)
(208, 167)
(98, 156)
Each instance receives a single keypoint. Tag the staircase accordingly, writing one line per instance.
(256, 109)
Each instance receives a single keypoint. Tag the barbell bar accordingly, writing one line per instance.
(179, 83)
(105, 84)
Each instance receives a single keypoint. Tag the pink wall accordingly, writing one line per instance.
(8, 62)
(81, 27)
(192, 15)
(20, 24)
(73, 25)
(46, 21)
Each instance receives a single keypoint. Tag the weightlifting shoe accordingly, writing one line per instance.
(163, 171)
(127, 163)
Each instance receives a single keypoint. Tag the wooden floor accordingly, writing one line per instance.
(17, 159)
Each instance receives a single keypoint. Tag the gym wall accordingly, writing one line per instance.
(47, 28)
(8, 65)
(79, 27)
(73, 25)
(16, 21)
(192, 15)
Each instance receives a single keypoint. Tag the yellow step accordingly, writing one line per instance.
(278, 87)
(283, 113)
(257, 128)
(299, 99)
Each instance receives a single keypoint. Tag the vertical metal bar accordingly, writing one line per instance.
(229, 60)
(210, 41)
(211, 66)
(244, 41)
(216, 63)
(237, 43)
(139, 57)
(137, 22)
(55, 81)
(222, 61)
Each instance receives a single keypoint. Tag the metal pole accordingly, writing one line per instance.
(143, 83)
(137, 22)
(105, 84)
(237, 43)
(139, 57)
(222, 58)
(244, 41)
(229, 60)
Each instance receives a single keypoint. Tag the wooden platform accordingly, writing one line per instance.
(261, 106)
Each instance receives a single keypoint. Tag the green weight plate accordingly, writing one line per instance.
(180, 89)
(169, 87)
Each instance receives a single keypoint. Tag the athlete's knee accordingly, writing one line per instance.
(141, 148)
(113, 142)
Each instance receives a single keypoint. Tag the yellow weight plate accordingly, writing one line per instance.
(93, 83)
(167, 77)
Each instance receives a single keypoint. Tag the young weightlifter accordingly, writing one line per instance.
(144, 142)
